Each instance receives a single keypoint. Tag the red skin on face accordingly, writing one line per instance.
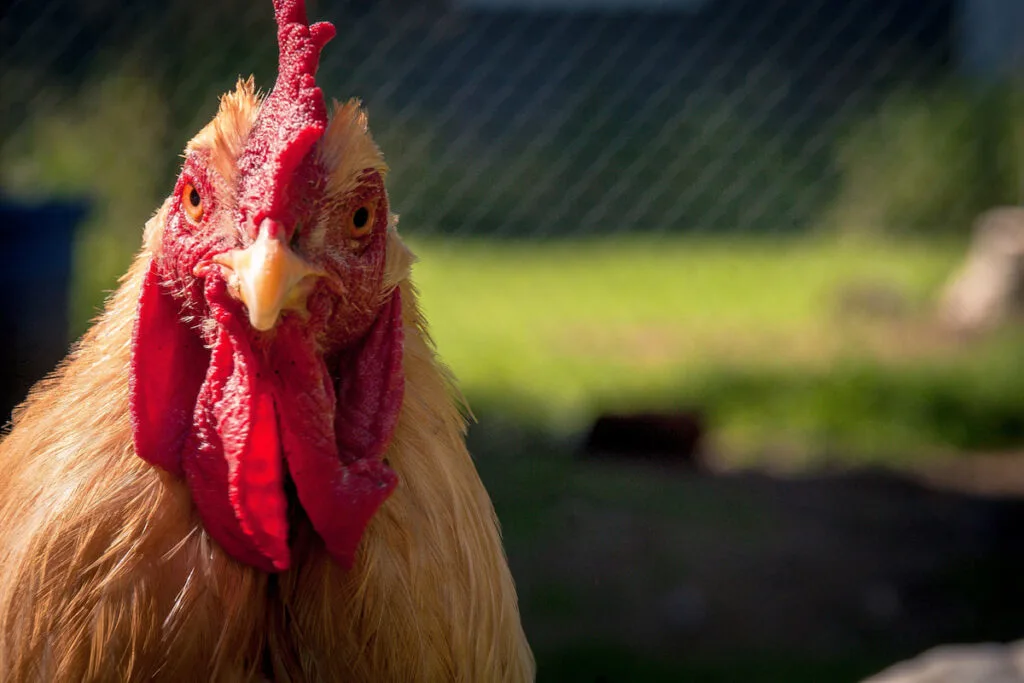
(316, 398)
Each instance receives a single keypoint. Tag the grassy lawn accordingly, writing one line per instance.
(810, 346)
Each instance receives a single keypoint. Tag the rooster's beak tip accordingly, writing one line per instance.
(270, 277)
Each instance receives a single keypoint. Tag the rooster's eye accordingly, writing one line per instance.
(192, 202)
(361, 221)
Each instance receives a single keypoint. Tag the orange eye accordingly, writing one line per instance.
(192, 202)
(360, 223)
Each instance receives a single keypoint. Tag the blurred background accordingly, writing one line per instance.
(733, 287)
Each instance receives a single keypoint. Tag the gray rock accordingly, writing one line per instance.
(980, 663)
(988, 288)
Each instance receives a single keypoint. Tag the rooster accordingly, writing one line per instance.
(253, 465)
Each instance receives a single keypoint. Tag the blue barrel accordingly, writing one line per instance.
(35, 268)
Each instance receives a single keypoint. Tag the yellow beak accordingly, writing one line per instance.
(268, 276)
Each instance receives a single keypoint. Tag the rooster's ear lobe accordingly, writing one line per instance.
(371, 387)
(168, 364)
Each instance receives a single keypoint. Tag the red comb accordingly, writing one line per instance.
(291, 120)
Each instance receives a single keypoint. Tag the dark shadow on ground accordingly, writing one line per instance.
(639, 572)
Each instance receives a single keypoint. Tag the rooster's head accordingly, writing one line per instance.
(267, 352)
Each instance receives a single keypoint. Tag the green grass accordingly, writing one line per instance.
(754, 331)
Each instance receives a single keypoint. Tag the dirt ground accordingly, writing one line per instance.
(682, 565)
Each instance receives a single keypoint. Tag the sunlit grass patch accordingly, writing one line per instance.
(778, 338)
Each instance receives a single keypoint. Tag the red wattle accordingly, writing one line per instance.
(338, 498)
(257, 487)
(258, 408)
(165, 374)
(207, 469)
(233, 459)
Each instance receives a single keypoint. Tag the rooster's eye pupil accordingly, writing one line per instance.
(193, 197)
(360, 217)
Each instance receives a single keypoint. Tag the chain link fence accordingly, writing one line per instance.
(520, 124)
